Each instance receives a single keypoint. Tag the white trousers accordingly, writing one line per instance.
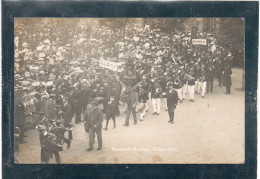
(202, 87)
(197, 85)
(191, 91)
(156, 102)
(146, 106)
(184, 90)
(179, 91)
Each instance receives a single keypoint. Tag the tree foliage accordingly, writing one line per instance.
(166, 25)
(230, 33)
(114, 23)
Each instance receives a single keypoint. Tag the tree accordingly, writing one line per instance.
(114, 23)
(230, 35)
(166, 25)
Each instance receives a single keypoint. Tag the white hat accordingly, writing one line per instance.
(36, 84)
(47, 41)
(24, 44)
(49, 83)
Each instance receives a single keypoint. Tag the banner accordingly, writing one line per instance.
(115, 66)
(199, 41)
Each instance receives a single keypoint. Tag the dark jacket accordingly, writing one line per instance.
(227, 77)
(172, 98)
(192, 79)
(59, 132)
(132, 99)
(107, 92)
(210, 74)
(68, 111)
(96, 118)
(19, 116)
(112, 108)
(78, 102)
(154, 94)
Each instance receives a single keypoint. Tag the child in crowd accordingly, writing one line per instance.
(112, 111)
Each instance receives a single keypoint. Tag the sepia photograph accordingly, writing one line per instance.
(129, 90)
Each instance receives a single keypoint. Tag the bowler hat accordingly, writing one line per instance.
(169, 84)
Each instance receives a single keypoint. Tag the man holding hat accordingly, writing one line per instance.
(172, 100)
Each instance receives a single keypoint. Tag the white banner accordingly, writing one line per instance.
(199, 41)
(115, 66)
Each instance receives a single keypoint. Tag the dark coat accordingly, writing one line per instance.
(59, 132)
(154, 94)
(172, 98)
(107, 92)
(132, 99)
(71, 102)
(112, 108)
(192, 79)
(68, 110)
(219, 68)
(210, 75)
(43, 139)
(78, 102)
(227, 77)
(83, 97)
(50, 107)
(96, 118)
(19, 116)
(59, 100)
(51, 146)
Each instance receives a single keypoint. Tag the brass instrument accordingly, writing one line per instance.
(189, 76)
(158, 88)
(177, 81)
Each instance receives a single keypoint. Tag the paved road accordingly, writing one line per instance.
(210, 130)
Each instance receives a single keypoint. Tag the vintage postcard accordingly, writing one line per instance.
(129, 90)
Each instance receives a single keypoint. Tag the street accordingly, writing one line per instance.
(210, 130)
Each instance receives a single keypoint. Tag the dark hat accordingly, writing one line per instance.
(51, 136)
(40, 113)
(58, 121)
(169, 84)
(52, 95)
(130, 62)
(58, 106)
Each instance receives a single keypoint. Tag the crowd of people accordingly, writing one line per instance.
(58, 78)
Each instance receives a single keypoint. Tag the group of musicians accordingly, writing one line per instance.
(56, 83)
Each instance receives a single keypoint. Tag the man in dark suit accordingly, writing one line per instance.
(67, 109)
(106, 95)
(227, 79)
(131, 107)
(172, 100)
(95, 126)
(210, 72)
(19, 120)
